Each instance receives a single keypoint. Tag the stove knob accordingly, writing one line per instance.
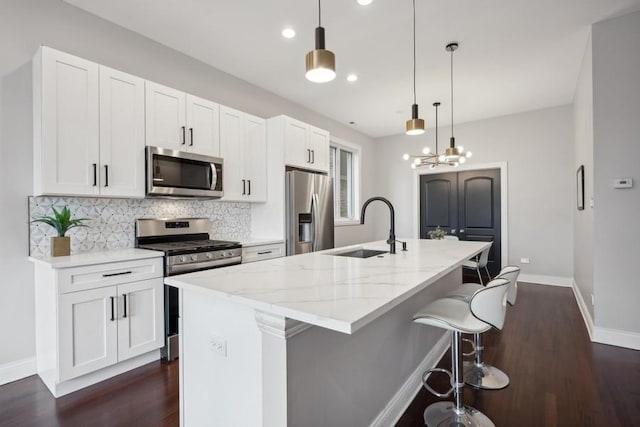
(194, 257)
(183, 259)
(209, 255)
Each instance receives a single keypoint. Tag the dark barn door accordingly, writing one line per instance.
(465, 204)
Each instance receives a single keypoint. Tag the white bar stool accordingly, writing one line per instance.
(479, 262)
(477, 373)
(485, 309)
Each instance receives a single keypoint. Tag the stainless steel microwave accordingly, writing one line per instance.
(172, 173)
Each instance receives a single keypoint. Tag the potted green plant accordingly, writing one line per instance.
(437, 234)
(62, 222)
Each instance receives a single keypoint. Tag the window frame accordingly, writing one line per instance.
(356, 153)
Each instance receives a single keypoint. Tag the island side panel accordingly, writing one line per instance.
(336, 379)
(220, 363)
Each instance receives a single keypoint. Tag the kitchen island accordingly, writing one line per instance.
(316, 339)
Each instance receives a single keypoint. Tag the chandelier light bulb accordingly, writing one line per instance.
(468, 154)
(455, 164)
(441, 157)
(426, 150)
(460, 149)
(416, 162)
(405, 157)
(413, 165)
(462, 160)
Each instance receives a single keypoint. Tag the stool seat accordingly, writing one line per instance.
(465, 291)
(451, 314)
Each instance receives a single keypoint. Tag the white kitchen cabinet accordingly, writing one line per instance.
(98, 320)
(66, 137)
(306, 146)
(181, 121)
(88, 128)
(261, 252)
(244, 150)
(122, 139)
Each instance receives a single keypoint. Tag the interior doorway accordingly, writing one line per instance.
(466, 204)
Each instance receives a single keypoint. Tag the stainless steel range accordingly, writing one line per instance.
(187, 248)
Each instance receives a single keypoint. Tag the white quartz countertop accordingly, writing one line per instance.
(334, 292)
(91, 258)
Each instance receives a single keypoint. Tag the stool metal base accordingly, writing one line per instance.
(484, 376)
(442, 414)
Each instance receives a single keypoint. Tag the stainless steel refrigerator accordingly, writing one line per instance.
(309, 212)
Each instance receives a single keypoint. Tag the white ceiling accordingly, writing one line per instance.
(514, 56)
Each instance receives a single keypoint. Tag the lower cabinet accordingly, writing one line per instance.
(96, 321)
(100, 327)
(261, 252)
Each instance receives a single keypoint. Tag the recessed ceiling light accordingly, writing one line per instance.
(364, 2)
(288, 33)
(352, 77)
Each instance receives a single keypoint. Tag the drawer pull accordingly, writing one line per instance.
(116, 274)
(112, 316)
(264, 253)
(125, 305)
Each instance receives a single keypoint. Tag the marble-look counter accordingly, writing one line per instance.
(334, 292)
(101, 257)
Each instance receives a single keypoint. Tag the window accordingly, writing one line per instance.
(344, 168)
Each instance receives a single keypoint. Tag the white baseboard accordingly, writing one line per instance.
(540, 279)
(616, 337)
(17, 370)
(582, 305)
(602, 335)
(405, 395)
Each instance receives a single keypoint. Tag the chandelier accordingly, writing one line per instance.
(452, 156)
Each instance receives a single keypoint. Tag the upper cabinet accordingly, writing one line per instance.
(181, 121)
(88, 128)
(244, 150)
(305, 146)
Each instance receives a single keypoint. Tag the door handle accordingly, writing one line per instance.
(125, 306)
(184, 135)
(313, 156)
(462, 230)
(112, 314)
(314, 221)
(95, 174)
(106, 175)
(244, 187)
(453, 231)
(191, 137)
(249, 187)
(308, 156)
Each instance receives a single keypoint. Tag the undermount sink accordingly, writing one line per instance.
(361, 253)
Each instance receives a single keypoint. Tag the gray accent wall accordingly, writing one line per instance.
(26, 24)
(616, 134)
(538, 149)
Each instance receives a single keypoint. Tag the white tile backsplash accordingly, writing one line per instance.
(111, 222)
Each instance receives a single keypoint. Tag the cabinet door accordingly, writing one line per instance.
(121, 134)
(165, 117)
(66, 115)
(203, 126)
(296, 152)
(232, 151)
(87, 333)
(319, 146)
(141, 321)
(256, 158)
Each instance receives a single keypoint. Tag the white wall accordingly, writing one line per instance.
(26, 24)
(538, 148)
(616, 110)
(583, 220)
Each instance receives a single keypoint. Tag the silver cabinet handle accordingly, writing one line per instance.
(264, 253)
(453, 231)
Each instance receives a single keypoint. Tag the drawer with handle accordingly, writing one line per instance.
(262, 252)
(108, 274)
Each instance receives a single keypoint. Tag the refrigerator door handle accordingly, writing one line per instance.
(314, 220)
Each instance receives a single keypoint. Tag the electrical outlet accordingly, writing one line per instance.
(219, 345)
(525, 260)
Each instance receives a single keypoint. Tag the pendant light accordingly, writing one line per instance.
(454, 155)
(427, 158)
(415, 125)
(321, 63)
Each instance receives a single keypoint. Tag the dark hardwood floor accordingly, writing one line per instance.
(558, 378)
